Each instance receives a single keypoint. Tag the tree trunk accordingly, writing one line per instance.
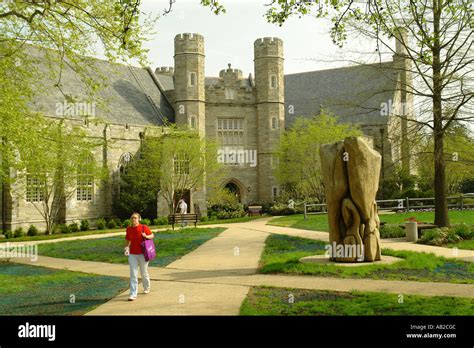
(441, 202)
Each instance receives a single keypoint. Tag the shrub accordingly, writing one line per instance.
(111, 224)
(204, 218)
(145, 222)
(160, 221)
(19, 232)
(64, 228)
(32, 231)
(464, 231)
(100, 224)
(74, 227)
(125, 223)
(8, 234)
(84, 225)
(282, 209)
(391, 231)
(213, 216)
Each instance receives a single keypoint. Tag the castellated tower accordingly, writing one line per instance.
(269, 82)
(189, 81)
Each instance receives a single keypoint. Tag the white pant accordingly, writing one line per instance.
(136, 261)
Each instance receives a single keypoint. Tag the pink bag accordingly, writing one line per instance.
(148, 247)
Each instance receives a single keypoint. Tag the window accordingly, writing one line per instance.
(35, 186)
(193, 122)
(274, 192)
(273, 81)
(124, 160)
(230, 131)
(192, 79)
(274, 123)
(229, 93)
(181, 164)
(85, 180)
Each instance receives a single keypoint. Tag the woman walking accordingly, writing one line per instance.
(135, 235)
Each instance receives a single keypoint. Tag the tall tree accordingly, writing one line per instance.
(298, 168)
(173, 163)
(438, 49)
(60, 165)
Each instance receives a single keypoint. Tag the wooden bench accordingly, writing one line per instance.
(254, 210)
(180, 218)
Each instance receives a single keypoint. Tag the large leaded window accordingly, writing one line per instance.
(85, 180)
(181, 164)
(35, 186)
(230, 131)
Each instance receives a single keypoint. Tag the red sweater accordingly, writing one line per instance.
(134, 235)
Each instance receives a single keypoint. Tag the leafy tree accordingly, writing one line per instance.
(167, 165)
(298, 167)
(60, 163)
(459, 156)
(439, 52)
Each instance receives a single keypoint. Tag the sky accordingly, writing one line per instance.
(229, 37)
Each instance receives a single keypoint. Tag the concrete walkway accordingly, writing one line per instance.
(215, 278)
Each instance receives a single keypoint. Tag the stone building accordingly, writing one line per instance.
(246, 115)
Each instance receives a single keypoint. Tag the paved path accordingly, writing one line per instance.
(215, 278)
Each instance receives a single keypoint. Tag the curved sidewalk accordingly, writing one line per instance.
(215, 278)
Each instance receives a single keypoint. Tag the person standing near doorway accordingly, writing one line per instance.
(182, 209)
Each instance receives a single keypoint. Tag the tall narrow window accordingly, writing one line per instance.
(193, 122)
(124, 161)
(192, 79)
(274, 123)
(274, 192)
(273, 81)
(35, 186)
(85, 180)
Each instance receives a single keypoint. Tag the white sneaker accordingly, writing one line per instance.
(132, 298)
(146, 291)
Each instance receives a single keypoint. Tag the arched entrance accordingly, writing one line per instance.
(234, 189)
(237, 188)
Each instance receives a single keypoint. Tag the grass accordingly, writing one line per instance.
(229, 221)
(31, 290)
(282, 254)
(115, 230)
(390, 230)
(276, 302)
(464, 244)
(170, 246)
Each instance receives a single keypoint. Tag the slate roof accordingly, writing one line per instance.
(353, 94)
(126, 91)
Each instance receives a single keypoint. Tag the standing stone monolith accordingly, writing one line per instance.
(351, 171)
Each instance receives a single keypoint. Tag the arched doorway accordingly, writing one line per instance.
(234, 189)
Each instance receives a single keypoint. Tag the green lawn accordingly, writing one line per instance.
(170, 246)
(465, 244)
(115, 230)
(31, 290)
(281, 301)
(282, 254)
(320, 222)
